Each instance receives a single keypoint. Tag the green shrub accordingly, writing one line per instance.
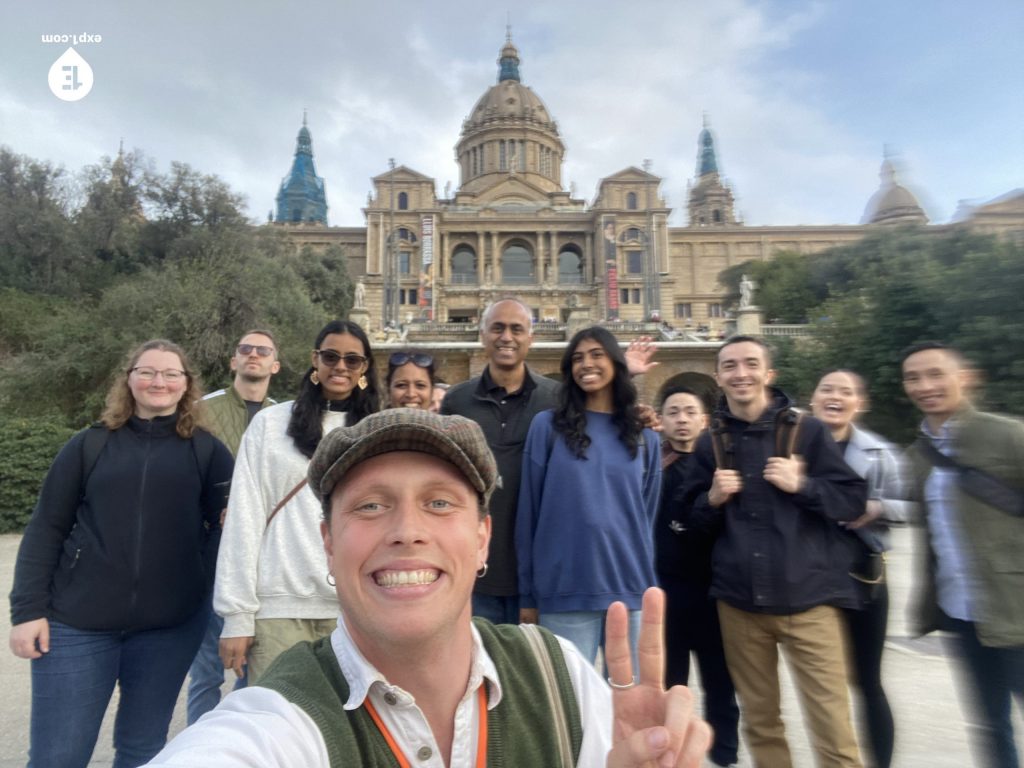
(27, 448)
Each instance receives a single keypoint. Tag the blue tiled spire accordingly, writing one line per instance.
(706, 161)
(302, 196)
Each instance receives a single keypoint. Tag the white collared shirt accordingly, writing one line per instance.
(259, 727)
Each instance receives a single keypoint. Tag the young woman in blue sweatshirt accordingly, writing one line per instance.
(588, 498)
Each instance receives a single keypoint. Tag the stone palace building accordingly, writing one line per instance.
(428, 265)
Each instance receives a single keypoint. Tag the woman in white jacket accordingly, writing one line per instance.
(837, 401)
(271, 586)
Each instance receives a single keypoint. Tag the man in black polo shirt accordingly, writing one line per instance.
(503, 400)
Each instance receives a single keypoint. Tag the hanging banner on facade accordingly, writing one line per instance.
(611, 282)
(427, 269)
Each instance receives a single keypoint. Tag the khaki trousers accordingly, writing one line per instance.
(275, 636)
(812, 643)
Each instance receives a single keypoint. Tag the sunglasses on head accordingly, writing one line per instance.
(331, 358)
(420, 359)
(246, 349)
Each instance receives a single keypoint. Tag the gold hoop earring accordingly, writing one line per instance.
(314, 378)
(483, 571)
(330, 579)
(362, 383)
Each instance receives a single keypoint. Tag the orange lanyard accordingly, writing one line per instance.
(481, 741)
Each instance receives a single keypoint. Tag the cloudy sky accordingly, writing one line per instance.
(802, 96)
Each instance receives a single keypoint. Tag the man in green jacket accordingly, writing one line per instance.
(973, 570)
(228, 412)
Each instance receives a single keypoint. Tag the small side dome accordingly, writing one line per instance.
(893, 203)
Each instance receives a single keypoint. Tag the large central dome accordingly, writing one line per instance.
(509, 132)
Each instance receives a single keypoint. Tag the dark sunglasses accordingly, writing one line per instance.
(420, 359)
(331, 358)
(246, 349)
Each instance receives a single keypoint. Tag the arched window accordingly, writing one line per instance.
(517, 265)
(631, 234)
(403, 201)
(631, 201)
(716, 216)
(464, 267)
(570, 266)
(407, 235)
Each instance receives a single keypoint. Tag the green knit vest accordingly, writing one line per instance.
(520, 730)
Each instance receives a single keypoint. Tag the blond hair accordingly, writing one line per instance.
(121, 403)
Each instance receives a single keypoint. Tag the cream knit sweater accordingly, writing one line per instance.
(277, 572)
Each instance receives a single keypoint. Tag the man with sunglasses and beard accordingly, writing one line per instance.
(228, 412)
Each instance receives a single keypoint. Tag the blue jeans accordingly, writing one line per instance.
(586, 631)
(206, 675)
(993, 677)
(72, 685)
(496, 609)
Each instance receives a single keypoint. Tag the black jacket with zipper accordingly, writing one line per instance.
(776, 552)
(120, 545)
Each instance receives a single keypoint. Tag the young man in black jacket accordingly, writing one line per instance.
(773, 486)
(683, 564)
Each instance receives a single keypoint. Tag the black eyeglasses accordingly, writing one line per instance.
(331, 358)
(246, 349)
(420, 359)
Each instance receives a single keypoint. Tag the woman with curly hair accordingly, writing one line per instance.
(110, 584)
(271, 585)
(588, 498)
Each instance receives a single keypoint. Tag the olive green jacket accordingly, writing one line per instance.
(994, 539)
(226, 416)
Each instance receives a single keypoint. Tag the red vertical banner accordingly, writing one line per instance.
(611, 267)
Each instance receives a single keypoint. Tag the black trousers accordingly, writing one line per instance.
(866, 629)
(691, 625)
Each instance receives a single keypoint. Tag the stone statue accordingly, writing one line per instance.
(747, 287)
(360, 295)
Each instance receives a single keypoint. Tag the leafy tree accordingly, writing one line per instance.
(325, 274)
(897, 287)
(35, 241)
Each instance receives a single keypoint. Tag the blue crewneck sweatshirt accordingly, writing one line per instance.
(584, 527)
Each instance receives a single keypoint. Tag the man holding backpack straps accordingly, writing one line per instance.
(772, 484)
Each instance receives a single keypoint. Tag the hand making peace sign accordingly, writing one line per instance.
(651, 727)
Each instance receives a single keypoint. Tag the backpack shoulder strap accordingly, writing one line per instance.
(787, 431)
(94, 439)
(721, 442)
(202, 447)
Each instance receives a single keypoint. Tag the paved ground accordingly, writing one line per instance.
(931, 732)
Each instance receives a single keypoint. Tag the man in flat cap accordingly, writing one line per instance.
(408, 676)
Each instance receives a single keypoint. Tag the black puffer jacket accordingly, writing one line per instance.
(776, 552)
(126, 551)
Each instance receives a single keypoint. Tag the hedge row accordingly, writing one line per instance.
(27, 448)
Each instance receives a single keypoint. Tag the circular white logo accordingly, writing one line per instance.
(70, 76)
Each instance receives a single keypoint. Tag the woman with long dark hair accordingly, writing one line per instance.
(110, 585)
(271, 574)
(588, 498)
(838, 401)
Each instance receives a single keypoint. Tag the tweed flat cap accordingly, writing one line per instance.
(453, 438)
